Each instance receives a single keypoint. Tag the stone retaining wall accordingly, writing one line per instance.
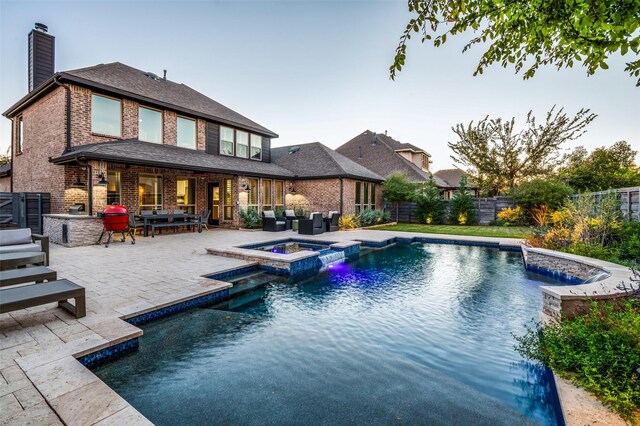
(563, 300)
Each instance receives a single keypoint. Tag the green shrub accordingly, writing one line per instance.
(429, 203)
(349, 221)
(251, 219)
(462, 210)
(512, 217)
(370, 217)
(397, 188)
(540, 192)
(599, 349)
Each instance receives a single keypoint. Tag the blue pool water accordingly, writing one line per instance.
(412, 334)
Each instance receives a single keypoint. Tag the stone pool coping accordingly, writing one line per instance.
(78, 396)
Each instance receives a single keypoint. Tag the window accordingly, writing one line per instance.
(266, 194)
(227, 140)
(425, 161)
(149, 125)
(365, 204)
(253, 191)
(242, 144)
(186, 194)
(150, 192)
(228, 199)
(20, 136)
(279, 205)
(256, 147)
(113, 188)
(373, 196)
(358, 198)
(106, 116)
(186, 133)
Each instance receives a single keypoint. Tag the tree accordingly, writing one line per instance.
(397, 189)
(498, 157)
(529, 33)
(605, 168)
(462, 210)
(429, 203)
(539, 192)
(6, 158)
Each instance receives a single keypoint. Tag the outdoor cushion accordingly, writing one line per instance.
(312, 213)
(12, 237)
(289, 213)
(20, 248)
(331, 213)
(269, 214)
(280, 222)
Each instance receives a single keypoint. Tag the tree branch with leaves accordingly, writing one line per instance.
(532, 33)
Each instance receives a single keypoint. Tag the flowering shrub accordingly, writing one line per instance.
(598, 348)
(512, 216)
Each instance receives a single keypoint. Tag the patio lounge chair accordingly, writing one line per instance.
(312, 226)
(20, 240)
(331, 222)
(271, 224)
(289, 217)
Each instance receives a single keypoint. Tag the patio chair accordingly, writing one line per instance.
(271, 224)
(205, 218)
(312, 226)
(135, 225)
(331, 222)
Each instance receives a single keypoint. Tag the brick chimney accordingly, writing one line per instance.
(41, 55)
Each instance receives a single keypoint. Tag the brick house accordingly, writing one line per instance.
(384, 156)
(111, 133)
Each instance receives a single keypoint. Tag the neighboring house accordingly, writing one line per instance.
(5, 177)
(451, 178)
(111, 133)
(384, 155)
(328, 180)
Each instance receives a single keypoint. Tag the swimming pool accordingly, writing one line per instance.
(411, 334)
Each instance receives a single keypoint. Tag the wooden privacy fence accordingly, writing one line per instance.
(487, 209)
(24, 209)
(629, 200)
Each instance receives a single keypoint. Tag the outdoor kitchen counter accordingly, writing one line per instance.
(72, 230)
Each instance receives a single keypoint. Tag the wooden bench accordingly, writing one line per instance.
(27, 275)
(28, 296)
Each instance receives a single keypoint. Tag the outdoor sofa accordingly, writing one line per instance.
(312, 226)
(21, 240)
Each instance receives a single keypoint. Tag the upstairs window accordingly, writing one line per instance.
(227, 140)
(186, 133)
(256, 147)
(106, 116)
(242, 144)
(149, 125)
(20, 136)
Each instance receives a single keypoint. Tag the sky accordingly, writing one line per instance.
(312, 70)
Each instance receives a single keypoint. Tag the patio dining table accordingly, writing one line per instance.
(178, 219)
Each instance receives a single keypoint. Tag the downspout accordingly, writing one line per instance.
(341, 195)
(68, 112)
(13, 164)
(89, 184)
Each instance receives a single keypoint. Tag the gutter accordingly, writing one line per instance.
(56, 80)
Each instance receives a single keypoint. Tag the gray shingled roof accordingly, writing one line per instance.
(124, 80)
(314, 160)
(381, 157)
(135, 152)
(451, 177)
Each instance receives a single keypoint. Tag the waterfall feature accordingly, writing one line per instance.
(331, 256)
(596, 277)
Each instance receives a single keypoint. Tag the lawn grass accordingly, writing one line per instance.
(476, 231)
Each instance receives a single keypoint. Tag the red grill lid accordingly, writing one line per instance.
(115, 209)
